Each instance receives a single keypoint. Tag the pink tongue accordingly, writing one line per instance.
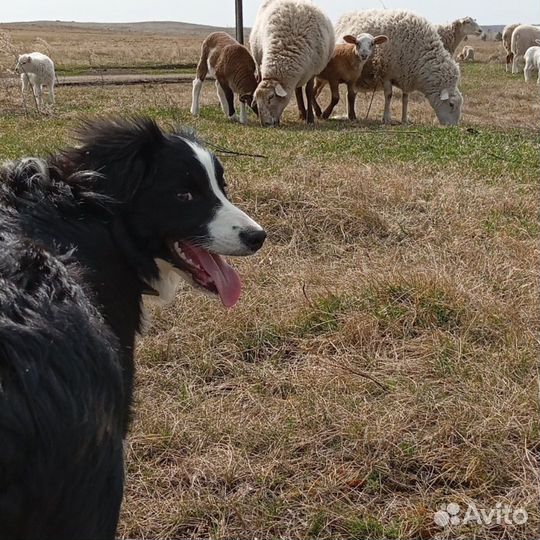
(224, 276)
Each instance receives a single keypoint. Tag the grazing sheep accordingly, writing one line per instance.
(413, 59)
(37, 71)
(291, 41)
(467, 54)
(532, 62)
(345, 67)
(507, 43)
(524, 36)
(234, 70)
(454, 33)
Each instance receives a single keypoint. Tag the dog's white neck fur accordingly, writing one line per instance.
(166, 286)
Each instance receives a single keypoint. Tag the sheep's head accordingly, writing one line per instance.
(365, 44)
(270, 99)
(447, 105)
(24, 60)
(470, 26)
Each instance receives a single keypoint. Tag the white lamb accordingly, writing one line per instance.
(454, 33)
(291, 42)
(507, 43)
(524, 36)
(532, 62)
(414, 59)
(37, 70)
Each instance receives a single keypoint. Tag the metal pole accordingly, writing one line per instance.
(239, 22)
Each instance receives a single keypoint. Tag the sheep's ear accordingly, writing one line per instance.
(349, 39)
(29, 60)
(379, 40)
(280, 91)
(445, 95)
(537, 41)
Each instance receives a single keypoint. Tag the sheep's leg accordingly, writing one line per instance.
(302, 113)
(509, 58)
(404, 107)
(25, 85)
(310, 119)
(229, 98)
(222, 99)
(319, 85)
(351, 99)
(515, 64)
(387, 116)
(243, 113)
(39, 95)
(196, 96)
(334, 88)
(51, 93)
(527, 72)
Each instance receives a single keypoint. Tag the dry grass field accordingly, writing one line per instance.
(382, 360)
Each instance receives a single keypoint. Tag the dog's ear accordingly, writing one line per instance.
(121, 150)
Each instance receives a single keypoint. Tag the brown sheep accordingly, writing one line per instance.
(345, 67)
(234, 69)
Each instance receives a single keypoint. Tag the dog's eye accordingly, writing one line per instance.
(185, 196)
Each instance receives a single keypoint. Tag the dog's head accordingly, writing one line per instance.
(174, 204)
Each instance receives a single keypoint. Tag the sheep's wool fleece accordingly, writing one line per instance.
(507, 35)
(447, 33)
(292, 40)
(524, 36)
(41, 67)
(414, 57)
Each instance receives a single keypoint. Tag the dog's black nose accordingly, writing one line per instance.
(253, 238)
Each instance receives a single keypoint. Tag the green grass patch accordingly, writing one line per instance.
(411, 305)
(323, 316)
(518, 223)
(496, 154)
(368, 528)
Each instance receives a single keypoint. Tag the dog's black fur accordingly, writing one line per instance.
(77, 252)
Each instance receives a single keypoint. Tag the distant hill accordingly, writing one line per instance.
(493, 28)
(147, 27)
(157, 27)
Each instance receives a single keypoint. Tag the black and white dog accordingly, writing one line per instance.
(83, 236)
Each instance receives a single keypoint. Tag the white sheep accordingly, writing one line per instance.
(532, 62)
(37, 70)
(291, 41)
(507, 43)
(234, 69)
(413, 60)
(466, 54)
(524, 36)
(345, 67)
(454, 33)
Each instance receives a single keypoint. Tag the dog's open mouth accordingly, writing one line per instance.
(208, 270)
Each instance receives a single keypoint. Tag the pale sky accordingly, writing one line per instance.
(221, 12)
